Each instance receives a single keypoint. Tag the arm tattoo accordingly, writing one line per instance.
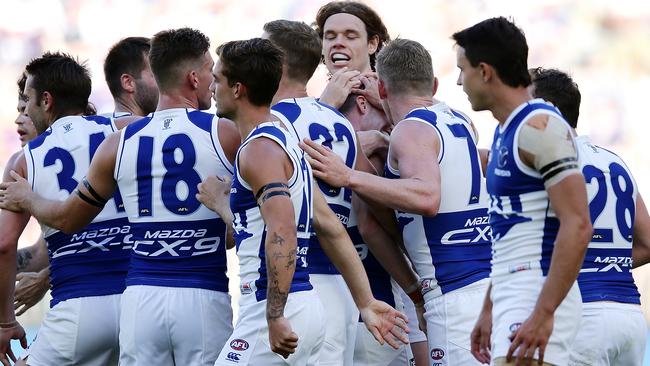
(278, 262)
(23, 258)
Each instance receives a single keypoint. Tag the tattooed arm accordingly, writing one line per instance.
(33, 258)
(261, 162)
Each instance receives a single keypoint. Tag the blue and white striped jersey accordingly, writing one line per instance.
(308, 118)
(93, 261)
(451, 249)
(160, 160)
(606, 274)
(250, 229)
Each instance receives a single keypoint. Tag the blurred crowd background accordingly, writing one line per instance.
(605, 45)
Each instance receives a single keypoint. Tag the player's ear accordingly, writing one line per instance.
(373, 44)
(487, 71)
(238, 90)
(362, 104)
(435, 85)
(47, 101)
(193, 79)
(382, 89)
(127, 82)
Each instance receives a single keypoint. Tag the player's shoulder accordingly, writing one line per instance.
(17, 163)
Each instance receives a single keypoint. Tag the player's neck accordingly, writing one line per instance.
(401, 105)
(289, 89)
(507, 101)
(176, 100)
(250, 116)
(127, 105)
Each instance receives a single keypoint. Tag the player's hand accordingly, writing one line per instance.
(385, 323)
(282, 339)
(373, 141)
(533, 334)
(14, 194)
(480, 337)
(6, 335)
(326, 164)
(419, 312)
(30, 289)
(370, 89)
(214, 193)
(339, 87)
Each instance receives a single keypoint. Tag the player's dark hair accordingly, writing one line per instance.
(499, 43)
(21, 87)
(300, 44)
(128, 56)
(406, 67)
(349, 104)
(172, 50)
(255, 63)
(558, 88)
(67, 80)
(374, 25)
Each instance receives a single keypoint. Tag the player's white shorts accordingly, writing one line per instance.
(415, 334)
(173, 325)
(249, 342)
(82, 331)
(513, 300)
(611, 334)
(368, 352)
(450, 320)
(341, 316)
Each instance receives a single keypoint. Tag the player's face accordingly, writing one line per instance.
(345, 43)
(24, 125)
(35, 109)
(222, 93)
(471, 80)
(204, 72)
(374, 119)
(146, 90)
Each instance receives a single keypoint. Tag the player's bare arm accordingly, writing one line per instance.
(214, 193)
(480, 337)
(81, 207)
(641, 240)
(263, 162)
(413, 150)
(12, 225)
(32, 258)
(545, 146)
(381, 319)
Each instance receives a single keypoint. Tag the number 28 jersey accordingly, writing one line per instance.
(93, 261)
(160, 161)
(606, 274)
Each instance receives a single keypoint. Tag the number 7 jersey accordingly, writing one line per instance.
(160, 161)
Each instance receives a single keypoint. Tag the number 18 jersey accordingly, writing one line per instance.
(161, 159)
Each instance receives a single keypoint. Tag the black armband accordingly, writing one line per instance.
(269, 186)
(94, 193)
(89, 200)
(273, 194)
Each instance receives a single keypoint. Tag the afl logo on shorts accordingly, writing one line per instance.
(514, 326)
(239, 345)
(437, 354)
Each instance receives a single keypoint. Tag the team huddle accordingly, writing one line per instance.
(368, 226)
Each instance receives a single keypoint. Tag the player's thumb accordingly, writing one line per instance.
(23, 342)
(20, 276)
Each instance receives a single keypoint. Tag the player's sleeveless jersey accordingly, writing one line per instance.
(93, 261)
(250, 229)
(458, 250)
(606, 274)
(160, 160)
(327, 126)
(380, 280)
(524, 225)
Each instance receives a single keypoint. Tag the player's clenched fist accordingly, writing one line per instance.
(282, 339)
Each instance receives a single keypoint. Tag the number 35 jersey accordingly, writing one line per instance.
(309, 118)
(161, 159)
(451, 249)
(93, 261)
(606, 274)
